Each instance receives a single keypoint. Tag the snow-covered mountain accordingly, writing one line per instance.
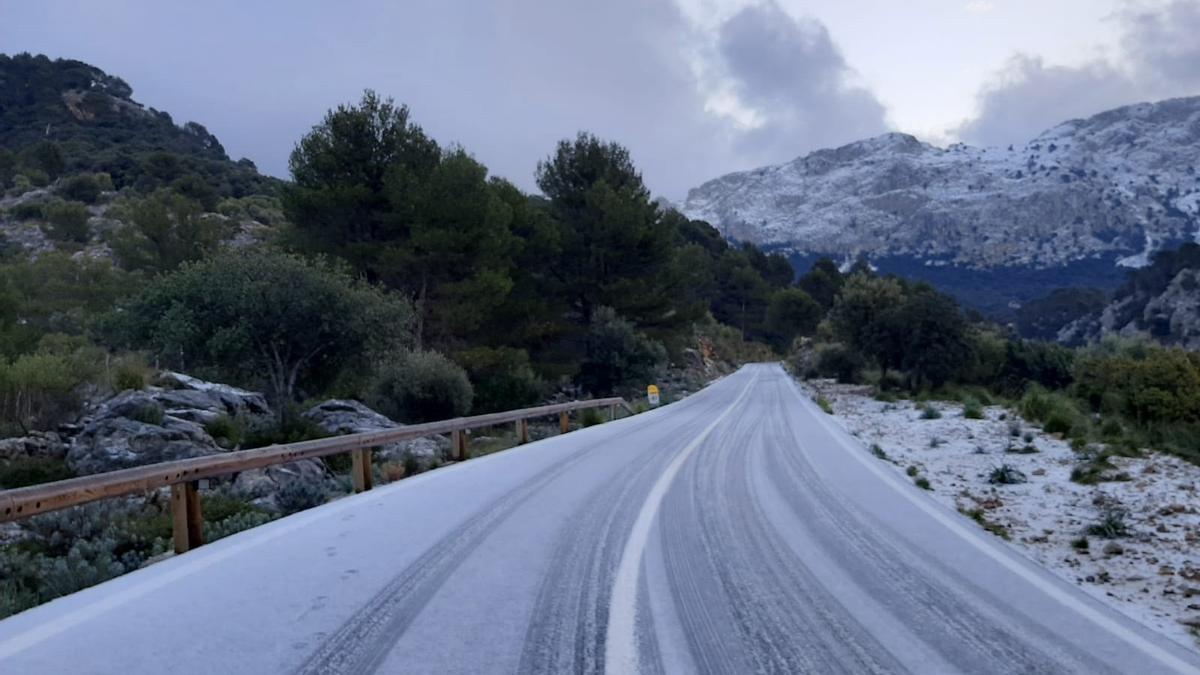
(1108, 189)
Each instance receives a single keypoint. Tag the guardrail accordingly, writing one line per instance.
(182, 476)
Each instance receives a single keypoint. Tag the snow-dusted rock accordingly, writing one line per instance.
(131, 430)
(36, 444)
(343, 416)
(191, 398)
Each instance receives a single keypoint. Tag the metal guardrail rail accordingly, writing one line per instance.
(183, 475)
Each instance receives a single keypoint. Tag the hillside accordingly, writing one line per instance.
(1064, 209)
(1160, 301)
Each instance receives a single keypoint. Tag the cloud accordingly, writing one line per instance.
(504, 78)
(979, 6)
(795, 81)
(1159, 58)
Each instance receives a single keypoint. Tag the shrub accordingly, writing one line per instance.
(824, 404)
(1111, 524)
(37, 391)
(972, 410)
(1006, 475)
(502, 378)
(923, 483)
(1080, 544)
(591, 417)
(878, 451)
(85, 187)
(928, 412)
(24, 471)
(617, 354)
(912, 471)
(935, 442)
(838, 362)
(149, 413)
(227, 431)
(29, 210)
(298, 495)
(68, 222)
(130, 374)
(1058, 423)
(420, 387)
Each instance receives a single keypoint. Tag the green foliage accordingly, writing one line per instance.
(38, 391)
(54, 294)
(24, 471)
(928, 412)
(502, 378)
(67, 221)
(590, 417)
(1006, 475)
(84, 187)
(164, 231)
(150, 413)
(923, 483)
(1111, 525)
(617, 354)
(420, 387)
(822, 282)
(791, 313)
(824, 404)
(878, 451)
(841, 363)
(973, 410)
(1150, 385)
(227, 431)
(251, 316)
(1041, 319)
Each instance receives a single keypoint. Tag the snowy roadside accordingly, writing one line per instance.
(1151, 573)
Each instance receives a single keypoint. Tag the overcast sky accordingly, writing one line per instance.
(694, 88)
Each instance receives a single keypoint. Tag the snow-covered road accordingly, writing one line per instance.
(740, 530)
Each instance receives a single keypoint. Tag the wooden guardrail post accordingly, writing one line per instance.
(458, 439)
(612, 412)
(564, 422)
(187, 521)
(522, 431)
(360, 469)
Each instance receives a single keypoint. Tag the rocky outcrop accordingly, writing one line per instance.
(343, 416)
(132, 429)
(36, 444)
(193, 399)
(1160, 302)
(1116, 186)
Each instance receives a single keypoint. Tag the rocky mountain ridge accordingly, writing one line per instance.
(1112, 188)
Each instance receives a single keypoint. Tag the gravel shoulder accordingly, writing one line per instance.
(1151, 573)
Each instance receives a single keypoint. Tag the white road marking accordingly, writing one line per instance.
(1042, 584)
(620, 643)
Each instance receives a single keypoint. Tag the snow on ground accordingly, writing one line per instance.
(1152, 574)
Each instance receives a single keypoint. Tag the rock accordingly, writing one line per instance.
(342, 416)
(191, 398)
(158, 424)
(36, 444)
(261, 486)
(1113, 548)
(112, 443)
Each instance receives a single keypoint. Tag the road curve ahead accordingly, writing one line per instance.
(737, 531)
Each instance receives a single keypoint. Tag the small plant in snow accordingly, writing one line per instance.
(878, 451)
(928, 412)
(923, 483)
(972, 410)
(824, 404)
(912, 471)
(1006, 475)
(935, 442)
(1111, 524)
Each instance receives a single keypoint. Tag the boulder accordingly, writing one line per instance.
(36, 444)
(130, 430)
(262, 486)
(343, 416)
(191, 398)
